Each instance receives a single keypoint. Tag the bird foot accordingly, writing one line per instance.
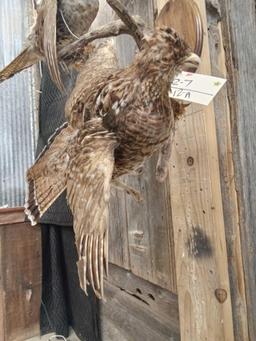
(161, 173)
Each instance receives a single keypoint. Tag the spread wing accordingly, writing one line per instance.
(47, 177)
(88, 192)
(50, 40)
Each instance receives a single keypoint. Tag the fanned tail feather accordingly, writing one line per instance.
(47, 177)
(23, 61)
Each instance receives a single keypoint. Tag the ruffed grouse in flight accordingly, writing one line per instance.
(116, 120)
(58, 23)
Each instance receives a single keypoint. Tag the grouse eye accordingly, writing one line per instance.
(178, 42)
(169, 30)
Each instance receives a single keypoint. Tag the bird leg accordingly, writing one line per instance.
(135, 30)
(164, 158)
(35, 5)
(129, 190)
(178, 108)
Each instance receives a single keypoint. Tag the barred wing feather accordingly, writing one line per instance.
(88, 191)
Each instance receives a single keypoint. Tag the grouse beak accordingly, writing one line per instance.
(191, 62)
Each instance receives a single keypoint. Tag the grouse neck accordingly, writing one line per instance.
(158, 73)
(156, 81)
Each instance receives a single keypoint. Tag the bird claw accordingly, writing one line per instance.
(161, 173)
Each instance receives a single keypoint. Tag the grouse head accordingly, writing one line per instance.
(166, 52)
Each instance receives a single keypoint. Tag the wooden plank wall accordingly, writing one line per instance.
(223, 111)
(238, 21)
(198, 222)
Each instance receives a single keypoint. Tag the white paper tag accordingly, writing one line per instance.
(196, 88)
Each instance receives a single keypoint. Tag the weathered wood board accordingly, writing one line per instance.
(227, 172)
(239, 39)
(137, 310)
(198, 222)
(20, 278)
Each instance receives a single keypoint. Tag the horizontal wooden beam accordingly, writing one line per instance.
(12, 215)
(138, 310)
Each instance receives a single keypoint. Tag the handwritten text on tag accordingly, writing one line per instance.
(196, 88)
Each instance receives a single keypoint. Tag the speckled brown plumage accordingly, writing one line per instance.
(117, 119)
(57, 23)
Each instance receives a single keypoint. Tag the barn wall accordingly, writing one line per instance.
(198, 220)
(223, 113)
(17, 105)
(238, 21)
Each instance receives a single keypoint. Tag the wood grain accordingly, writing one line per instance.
(238, 24)
(228, 185)
(11, 215)
(20, 281)
(160, 300)
(137, 310)
(200, 246)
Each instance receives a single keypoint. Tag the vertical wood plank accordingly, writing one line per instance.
(200, 246)
(238, 24)
(228, 184)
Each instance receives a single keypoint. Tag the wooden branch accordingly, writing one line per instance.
(110, 30)
(122, 12)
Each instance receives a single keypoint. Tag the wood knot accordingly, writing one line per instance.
(190, 161)
(221, 295)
